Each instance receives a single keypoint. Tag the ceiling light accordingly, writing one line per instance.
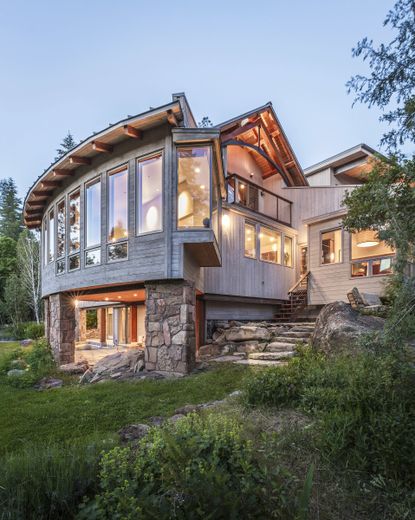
(106, 299)
(197, 170)
(135, 295)
(119, 297)
(367, 238)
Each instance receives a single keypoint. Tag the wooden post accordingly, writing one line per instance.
(103, 325)
(133, 324)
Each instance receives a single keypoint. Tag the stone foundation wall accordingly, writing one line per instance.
(60, 327)
(170, 326)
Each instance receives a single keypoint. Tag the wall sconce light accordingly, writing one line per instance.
(226, 222)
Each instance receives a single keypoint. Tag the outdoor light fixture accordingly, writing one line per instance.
(226, 222)
(366, 238)
(76, 303)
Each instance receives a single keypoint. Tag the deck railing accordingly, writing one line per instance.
(258, 199)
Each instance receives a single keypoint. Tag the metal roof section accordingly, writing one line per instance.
(354, 153)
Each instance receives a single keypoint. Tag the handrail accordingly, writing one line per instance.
(276, 215)
(299, 282)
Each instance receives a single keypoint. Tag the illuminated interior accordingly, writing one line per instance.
(150, 176)
(370, 256)
(288, 251)
(118, 205)
(250, 241)
(270, 245)
(331, 247)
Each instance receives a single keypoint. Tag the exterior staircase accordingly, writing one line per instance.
(281, 348)
(290, 311)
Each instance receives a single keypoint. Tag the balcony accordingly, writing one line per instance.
(249, 195)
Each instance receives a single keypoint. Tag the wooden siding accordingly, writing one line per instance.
(241, 276)
(331, 282)
(239, 311)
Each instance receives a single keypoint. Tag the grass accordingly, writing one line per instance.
(77, 412)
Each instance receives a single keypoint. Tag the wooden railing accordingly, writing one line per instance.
(301, 284)
(256, 198)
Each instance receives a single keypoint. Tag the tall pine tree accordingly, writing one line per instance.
(10, 210)
(67, 144)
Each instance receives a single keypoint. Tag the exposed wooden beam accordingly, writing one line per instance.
(50, 184)
(171, 118)
(132, 132)
(42, 193)
(36, 205)
(76, 159)
(32, 219)
(59, 172)
(34, 211)
(102, 147)
(239, 131)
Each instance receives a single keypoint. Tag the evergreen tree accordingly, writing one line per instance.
(10, 210)
(390, 85)
(205, 123)
(67, 144)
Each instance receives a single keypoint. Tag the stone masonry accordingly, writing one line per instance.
(60, 327)
(170, 326)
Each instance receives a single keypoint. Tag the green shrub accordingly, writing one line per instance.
(48, 482)
(34, 330)
(201, 467)
(363, 405)
(37, 358)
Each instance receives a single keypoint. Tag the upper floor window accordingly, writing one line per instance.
(93, 214)
(370, 256)
(270, 245)
(250, 240)
(74, 221)
(288, 251)
(118, 205)
(61, 229)
(45, 241)
(194, 186)
(150, 196)
(51, 236)
(331, 246)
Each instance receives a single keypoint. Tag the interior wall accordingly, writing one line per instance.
(240, 161)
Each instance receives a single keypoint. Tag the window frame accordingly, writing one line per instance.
(370, 260)
(117, 243)
(253, 225)
(113, 171)
(140, 159)
(63, 199)
(68, 226)
(50, 211)
(329, 230)
(197, 144)
(95, 180)
(259, 238)
(291, 238)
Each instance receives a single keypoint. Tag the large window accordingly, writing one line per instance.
(150, 196)
(118, 205)
(370, 256)
(270, 245)
(51, 236)
(193, 192)
(74, 222)
(93, 214)
(250, 240)
(331, 246)
(288, 251)
(45, 241)
(61, 230)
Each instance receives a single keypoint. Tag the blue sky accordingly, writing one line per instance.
(81, 65)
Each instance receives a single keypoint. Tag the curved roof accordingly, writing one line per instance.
(84, 153)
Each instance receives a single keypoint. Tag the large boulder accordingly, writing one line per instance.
(121, 365)
(247, 333)
(338, 327)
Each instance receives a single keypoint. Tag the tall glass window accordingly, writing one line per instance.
(74, 222)
(250, 240)
(93, 214)
(51, 237)
(193, 192)
(331, 246)
(270, 245)
(45, 241)
(150, 196)
(118, 205)
(61, 232)
(288, 251)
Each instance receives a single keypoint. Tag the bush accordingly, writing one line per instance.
(48, 482)
(197, 468)
(363, 405)
(37, 360)
(26, 330)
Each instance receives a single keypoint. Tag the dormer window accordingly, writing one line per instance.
(194, 187)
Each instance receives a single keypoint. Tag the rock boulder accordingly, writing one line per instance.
(247, 333)
(121, 365)
(338, 327)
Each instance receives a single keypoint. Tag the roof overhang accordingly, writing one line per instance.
(262, 134)
(85, 152)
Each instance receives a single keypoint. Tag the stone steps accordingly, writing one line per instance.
(260, 362)
(279, 346)
(271, 356)
(295, 334)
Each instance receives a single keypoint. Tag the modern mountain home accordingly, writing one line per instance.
(152, 228)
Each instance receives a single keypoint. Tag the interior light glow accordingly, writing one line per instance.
(226, 222)
(106, 299)
(76, 302)
(152, 218)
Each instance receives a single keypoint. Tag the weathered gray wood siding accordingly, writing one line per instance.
(239, 311)
(331, 282)
(241, 276)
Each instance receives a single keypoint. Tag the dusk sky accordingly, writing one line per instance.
(79, 66)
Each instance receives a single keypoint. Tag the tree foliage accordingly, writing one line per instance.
(10, 210)
(7, 261)
(67, 144)
(28, 261)
(391, 82)
(205, 123)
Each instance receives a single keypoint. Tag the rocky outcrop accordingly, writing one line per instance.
(78, 367)
(121, 365)
(338, 327)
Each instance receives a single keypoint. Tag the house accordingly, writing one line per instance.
(153, 227)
